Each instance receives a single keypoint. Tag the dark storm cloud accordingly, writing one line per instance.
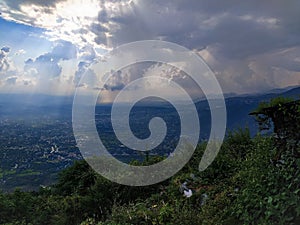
(238, 38)
(238, 28)
(243, 38)
(115, 83)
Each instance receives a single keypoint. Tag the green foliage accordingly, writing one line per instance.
(283, 115)
(265, 114)
(269, 194)
(273, 103)
(242, 186)
(77, 179)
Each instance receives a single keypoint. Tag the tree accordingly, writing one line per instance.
(283, 115)
(77, 179)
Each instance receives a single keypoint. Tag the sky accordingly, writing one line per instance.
(46, 46)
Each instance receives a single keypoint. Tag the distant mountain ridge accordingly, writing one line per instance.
(44, 99)
(238, 107)
(282, 90)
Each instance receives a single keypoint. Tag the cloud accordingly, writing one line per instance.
(47, 65)
(5, 49)
(239, 30)
(41, 74)
(71, 20)
(11, 80)
(116, 82)
(17, 3)
(44, 66)
(257, 73)
(20, 52)
(5, 64)
(63, 50)
(83, 67)
(236, 34)
(230, 24)
(7, 70)
(87, 55)
(247, 44)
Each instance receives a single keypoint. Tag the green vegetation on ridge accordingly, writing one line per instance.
(248, 183)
